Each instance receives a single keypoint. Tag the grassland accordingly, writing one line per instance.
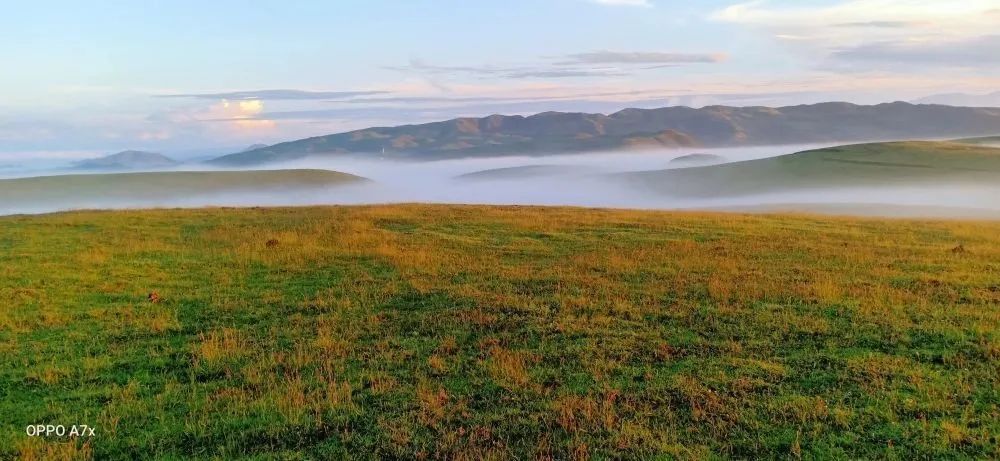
(498, 333)
(861, 165)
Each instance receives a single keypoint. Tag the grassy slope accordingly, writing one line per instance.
(525, 171)
(699, 159)
(985, 140)
(856, 165)
(164, 184)
(499, 332)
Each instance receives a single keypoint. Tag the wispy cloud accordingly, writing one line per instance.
(541, 71)
(884, 35)
(976, 52)
(568, 73)
(276, 95)
(881, 24)
(967, 13)
(578, 65)
(638, 57)
(554, 94)
(421, 66)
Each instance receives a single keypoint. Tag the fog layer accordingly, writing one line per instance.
(591, 180)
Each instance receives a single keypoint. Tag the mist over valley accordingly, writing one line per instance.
(932, 179)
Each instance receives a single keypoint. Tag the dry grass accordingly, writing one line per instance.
(498, 333)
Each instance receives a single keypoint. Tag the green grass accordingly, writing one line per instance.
(466, 332)
(176, 184)
(871, 165)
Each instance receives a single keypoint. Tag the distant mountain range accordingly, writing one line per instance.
(128, 160)
(669, 127)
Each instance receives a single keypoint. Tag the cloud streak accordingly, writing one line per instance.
(878, 35)
(543, 71)
(592, 64)
(569, 73)
(977, 52)
(952, 16)
(635, 57)
(277, 95)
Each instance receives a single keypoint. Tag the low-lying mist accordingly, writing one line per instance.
(590, 180)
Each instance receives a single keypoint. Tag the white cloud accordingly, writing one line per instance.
(852, 22)
(952, 16)
(873, 32)
(975, 53)
(641, 57)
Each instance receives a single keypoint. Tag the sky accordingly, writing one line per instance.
(196, 78)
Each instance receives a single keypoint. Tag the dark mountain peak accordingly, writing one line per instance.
(896, 105)
(255, 147)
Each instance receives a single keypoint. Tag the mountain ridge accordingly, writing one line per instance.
(667, 127)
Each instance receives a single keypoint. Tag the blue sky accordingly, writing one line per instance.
(85, 78)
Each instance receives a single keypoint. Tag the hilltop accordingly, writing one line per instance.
(255, 147)
(714, 126)
(154, 189)
(128, 160)
(875, 164)
(526, 171)
(698, 159)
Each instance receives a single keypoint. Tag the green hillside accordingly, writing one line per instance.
(525, 171)
(698, 159)
(878, 164)
(163, 185)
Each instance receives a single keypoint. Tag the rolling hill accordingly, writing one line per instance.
(714, 126)
(128, 160)
(698, 159)
(525, 171)
(98, 190)
(877, 164)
